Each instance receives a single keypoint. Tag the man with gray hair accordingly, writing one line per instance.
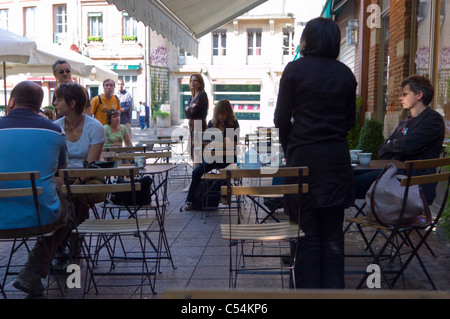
(63, 74)
(32, 143)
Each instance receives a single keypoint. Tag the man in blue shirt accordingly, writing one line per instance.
(31, 142)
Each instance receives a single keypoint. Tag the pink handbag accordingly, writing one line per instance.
(384, 200)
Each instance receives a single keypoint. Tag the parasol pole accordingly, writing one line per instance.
(4, 87)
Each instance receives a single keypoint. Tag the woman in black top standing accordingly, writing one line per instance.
(196, 111)
(315, 110)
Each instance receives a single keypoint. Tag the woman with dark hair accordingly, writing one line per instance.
(418, 137)
(85, 135)
(314, 112)
(85, 138)
(116, 134)
(197, 109)
(225, 124)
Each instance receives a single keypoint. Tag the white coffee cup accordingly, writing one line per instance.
(364, 159)
(139, 161)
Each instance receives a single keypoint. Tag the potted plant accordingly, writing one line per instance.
(371, 137)
(129, 38)
(95, 39)
(162, 118)
(353, 134)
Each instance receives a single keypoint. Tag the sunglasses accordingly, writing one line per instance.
(62, 71)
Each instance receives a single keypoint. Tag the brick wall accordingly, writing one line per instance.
(373, 67)
(399, 50)
(400, 55)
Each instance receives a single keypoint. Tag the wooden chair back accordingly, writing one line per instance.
(410, 166)
(23, 191)
(99, 188)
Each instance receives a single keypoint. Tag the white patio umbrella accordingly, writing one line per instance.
(45, 55)
(98, 72)
(14, 49)
(42, 60)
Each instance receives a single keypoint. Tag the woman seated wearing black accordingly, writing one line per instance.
(224, 121)
(418, 137)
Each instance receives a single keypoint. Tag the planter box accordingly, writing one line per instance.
(163, 122)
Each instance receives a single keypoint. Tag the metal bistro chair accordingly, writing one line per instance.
(17, 190)
(135, 228)
(402, 243)
(239, 234)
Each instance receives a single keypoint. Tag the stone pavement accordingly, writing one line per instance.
(201, 257)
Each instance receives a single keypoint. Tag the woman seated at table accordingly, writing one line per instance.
(116, 133)
(418, 137)
(224, 120)
(85, 138)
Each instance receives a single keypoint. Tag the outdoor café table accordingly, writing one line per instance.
(376, 165)
(221, 175)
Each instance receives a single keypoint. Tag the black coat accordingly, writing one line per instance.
(417, 138)
(423, 138)
(315, 110)
(197, 109)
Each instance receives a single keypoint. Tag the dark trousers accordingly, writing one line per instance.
(320, 253)
(363, 182)
(197, 174)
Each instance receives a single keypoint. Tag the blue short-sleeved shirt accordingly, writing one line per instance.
(30, 142)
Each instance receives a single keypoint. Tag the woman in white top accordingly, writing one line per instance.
(85, 135)
(85, 138)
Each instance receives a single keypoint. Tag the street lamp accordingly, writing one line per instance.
(352, 32)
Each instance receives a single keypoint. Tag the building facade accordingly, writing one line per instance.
(241, 61)
(92, 28)
(396, 38)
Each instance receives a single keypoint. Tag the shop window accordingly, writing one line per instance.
(244, 98)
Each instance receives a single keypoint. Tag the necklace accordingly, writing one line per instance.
(70, 127)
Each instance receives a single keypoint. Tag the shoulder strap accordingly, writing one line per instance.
(98, 105)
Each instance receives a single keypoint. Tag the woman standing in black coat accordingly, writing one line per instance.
(315, 110)
(196, 111)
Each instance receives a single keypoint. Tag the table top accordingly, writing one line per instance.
(160, 141)
(374, 164)
(155, 168)
(378, 164)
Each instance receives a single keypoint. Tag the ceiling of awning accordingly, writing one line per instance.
(183, 22)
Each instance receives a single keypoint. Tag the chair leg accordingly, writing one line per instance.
(415, 253)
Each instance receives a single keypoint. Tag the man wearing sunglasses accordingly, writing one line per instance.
(62, 71)
(63, 74)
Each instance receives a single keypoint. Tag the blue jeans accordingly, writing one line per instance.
(142, 122)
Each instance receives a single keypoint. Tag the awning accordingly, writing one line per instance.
(119, 66)
(332, 7)
(183, 22)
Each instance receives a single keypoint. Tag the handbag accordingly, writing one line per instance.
(384, 200)
(99, 164)
(143, 197)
